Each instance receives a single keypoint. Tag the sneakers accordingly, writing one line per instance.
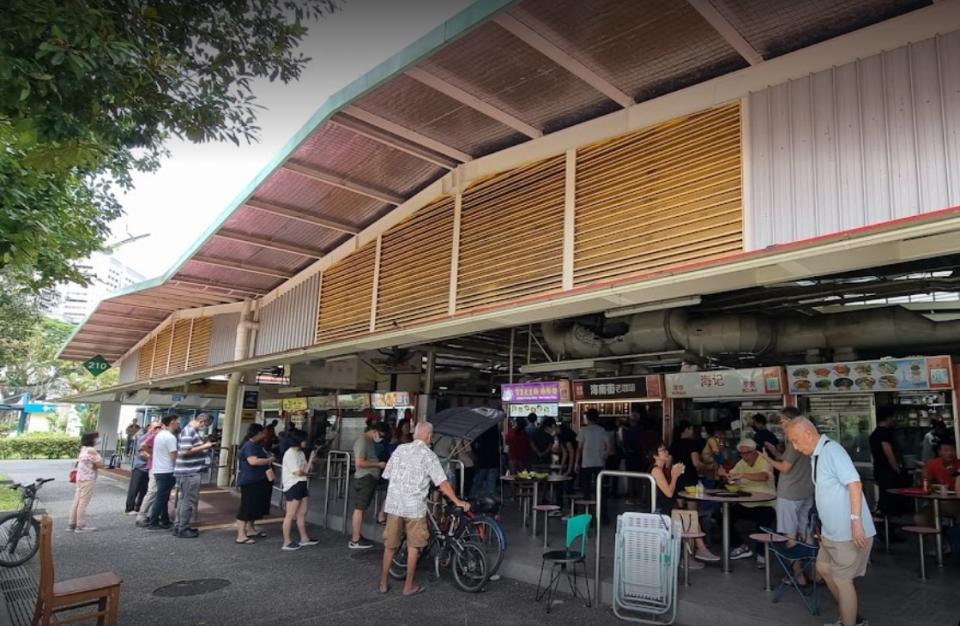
(187, 533)
(308, 542)
(761, 562)
(84, 529)
(292, 546)
(742, 552)
(706, 556)
(363, 544)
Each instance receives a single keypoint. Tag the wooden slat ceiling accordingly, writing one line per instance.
(561, 63)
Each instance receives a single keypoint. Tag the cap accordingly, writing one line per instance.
(748, 444)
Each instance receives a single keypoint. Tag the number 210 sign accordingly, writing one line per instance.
(97, 365)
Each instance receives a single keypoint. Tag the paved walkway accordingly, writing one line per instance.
(326, 584)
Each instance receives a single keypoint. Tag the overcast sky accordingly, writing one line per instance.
(175, 204)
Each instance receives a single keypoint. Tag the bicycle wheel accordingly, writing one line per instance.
(19, 539)
(470, 568)
(487, 533)
(398, 566)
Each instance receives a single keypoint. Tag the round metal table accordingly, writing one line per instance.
(716, 495)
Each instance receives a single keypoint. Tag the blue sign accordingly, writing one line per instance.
(39, 407)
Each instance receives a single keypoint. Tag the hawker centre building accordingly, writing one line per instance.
(610, 195)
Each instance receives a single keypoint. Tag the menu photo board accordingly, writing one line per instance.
(390, 399)
(543, 409)
(546, 391)
(322, 403)
(757, 381)
(908, 374)
(628, 388)
(294, 404)
(353, 401)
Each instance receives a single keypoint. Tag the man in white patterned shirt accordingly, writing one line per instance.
(411, 469)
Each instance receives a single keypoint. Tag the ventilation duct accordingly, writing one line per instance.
(661, 331)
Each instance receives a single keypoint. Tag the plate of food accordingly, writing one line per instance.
(843, 383)
(801, 372)
(822, 372)
(841, 369)
(889, 382)
(866, 382)
(887, 368)
(864, 369)
(823, 383)
(802, 385)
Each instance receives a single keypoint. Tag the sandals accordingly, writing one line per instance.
(415, 592)
(245, 542)
(383, 590)
(260, 534)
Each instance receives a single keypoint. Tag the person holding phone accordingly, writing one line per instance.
(254, 484)
(296, 469)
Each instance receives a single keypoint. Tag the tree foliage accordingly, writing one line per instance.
(90, 91)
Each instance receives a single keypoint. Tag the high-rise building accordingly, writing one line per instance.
(72, 303)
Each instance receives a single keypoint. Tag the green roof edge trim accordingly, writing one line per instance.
(446, 33)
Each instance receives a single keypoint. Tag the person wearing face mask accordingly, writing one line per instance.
(368, 468)
(88, 463)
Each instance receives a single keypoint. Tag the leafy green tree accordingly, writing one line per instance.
(90, 91)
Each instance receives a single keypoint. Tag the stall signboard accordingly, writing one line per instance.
(546, 391)
(545, 409)
(353, 401)
(871, 376)
(251, 398)
(390, 399)
(269, 404)
(322, 403)
(294, 404)
(634, 387)
(758, 381)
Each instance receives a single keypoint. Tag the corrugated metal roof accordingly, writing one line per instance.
(480, 87)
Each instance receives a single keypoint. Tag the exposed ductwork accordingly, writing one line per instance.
(661, 331)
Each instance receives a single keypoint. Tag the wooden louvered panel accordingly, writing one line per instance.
(162, 351)
(199, 354)
(146, 359)
(511, 236)
(346, 290)
(178, 353)
(661, 196)
(414, 281)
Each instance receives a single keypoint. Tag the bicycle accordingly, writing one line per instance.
(20, 531)
(449, 547)
(485, 531)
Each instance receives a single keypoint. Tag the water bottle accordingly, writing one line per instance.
(700, 489)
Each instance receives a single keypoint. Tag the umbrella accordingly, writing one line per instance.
(466, 422)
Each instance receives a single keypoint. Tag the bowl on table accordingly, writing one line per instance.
(691, 489)
(732, 487)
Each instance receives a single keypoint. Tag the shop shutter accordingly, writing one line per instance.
(415, 267)
(662, 196)
(346, 289)
(178, 352)
(200, 342)
(162, 352)
(146, 359)
(511, 235)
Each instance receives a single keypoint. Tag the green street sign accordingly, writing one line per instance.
(97, 365)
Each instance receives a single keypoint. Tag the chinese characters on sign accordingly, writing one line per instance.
(726, 383)
(615, 388)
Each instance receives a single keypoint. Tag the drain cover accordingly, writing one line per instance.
(198, 587)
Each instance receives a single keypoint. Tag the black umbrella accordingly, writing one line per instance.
(466, 422)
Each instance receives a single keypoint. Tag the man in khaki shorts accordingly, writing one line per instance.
(847, 530)
(411, 469)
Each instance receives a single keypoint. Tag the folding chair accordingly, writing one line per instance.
(560, 560)
(806, 555)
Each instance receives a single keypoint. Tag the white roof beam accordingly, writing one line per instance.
(410, 135)
(301, 216)
(390, 140)
(341, 182)
(242, 267)
(528, 29)
(124, 317)
(472, 101)
(210, 284)
(266, 243)
(726, 30)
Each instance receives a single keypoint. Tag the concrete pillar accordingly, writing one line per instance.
(108, 424)
(231, 418)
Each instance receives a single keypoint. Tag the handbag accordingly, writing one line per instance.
(73, 473)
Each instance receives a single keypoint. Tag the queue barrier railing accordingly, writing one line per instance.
(463, 470)
(653, 505)
(342, 461)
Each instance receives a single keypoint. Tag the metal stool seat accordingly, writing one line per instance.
(546, 509)
(686, 555)
(920, 531)
(766, 539)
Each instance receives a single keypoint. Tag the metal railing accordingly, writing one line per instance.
(653, 506)
(463, 471)
(342, 461)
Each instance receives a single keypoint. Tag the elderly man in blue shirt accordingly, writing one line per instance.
(847, 529)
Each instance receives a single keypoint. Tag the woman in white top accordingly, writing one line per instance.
(296, 468)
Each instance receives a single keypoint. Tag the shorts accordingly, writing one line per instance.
(845, 560)
(793, 516)
(413, 528)
(297, 492)
(254, 501)
(364, 490)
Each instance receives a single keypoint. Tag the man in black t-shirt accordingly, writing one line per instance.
(766, 440)
(542, 440)
(887, 468)
(486, 455)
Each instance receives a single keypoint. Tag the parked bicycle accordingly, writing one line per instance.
(449, 547)
(485, 531)
(20, 531)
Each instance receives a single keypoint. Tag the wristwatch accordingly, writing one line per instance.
(854, 517)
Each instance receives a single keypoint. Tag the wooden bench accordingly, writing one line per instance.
(99, 591)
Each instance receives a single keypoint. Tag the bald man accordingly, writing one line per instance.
(411, 469)
(847, 531)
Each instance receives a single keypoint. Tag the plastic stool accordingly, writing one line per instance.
(920, 531)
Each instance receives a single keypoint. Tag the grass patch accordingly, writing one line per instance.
(9, 499)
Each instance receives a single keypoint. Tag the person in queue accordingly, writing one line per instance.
(592, 451)
(139, 474)
(766, 440)
(755, 475)
(411, 470)
(254, 483)
(518, 446)
(146, 451)
(794, 490)
(486, 454)
(847, 531)
(164, 462)
(191, 463)
(89, 462)
(667, 476)
(366, 478)
(888, 470)
(541, 441)
(296, 469)
(941, 472)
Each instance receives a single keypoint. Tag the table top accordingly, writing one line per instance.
(933, 495)
(549, 479)
(709, 496)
